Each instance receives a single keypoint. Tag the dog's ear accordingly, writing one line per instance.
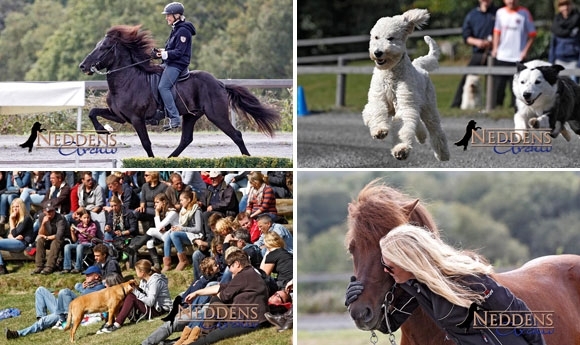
(520, 66)
(550, 73)
(416, 18)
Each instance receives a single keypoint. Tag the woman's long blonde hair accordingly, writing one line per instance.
(435, 263)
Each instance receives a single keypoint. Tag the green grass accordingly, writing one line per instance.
(320, 92)
(18, 292)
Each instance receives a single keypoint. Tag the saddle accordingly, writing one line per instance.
(154, 83)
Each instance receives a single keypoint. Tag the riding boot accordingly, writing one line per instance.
(166, 264)
(193, 335)
(184, 335)
(183, 262)
(154, 258)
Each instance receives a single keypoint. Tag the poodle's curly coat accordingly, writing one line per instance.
(401, 92)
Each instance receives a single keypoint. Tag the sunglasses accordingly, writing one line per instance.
(387, 267)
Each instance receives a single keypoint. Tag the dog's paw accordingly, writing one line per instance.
(380, 133)
(401, 152)
(534, 123)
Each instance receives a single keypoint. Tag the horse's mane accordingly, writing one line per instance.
(380, 208)
(139, 43)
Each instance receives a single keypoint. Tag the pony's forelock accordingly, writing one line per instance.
(139, 41)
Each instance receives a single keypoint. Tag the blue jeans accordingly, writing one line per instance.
(65, 296)
(44, 302)
(196, 258)
(29, 198)
(5, 200)
(168, 79)
(11, 245)
(178, 239)
(79, 249)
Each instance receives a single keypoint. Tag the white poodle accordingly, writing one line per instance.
(401, 91)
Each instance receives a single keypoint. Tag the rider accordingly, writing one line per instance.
(176, 56)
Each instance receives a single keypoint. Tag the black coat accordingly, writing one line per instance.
(454, 320)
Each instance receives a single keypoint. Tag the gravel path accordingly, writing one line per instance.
(341, 140)
(205, 145)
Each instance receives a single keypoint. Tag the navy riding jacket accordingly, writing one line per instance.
(178, 45)
(456, 321)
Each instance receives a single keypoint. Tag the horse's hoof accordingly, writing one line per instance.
(103, 131)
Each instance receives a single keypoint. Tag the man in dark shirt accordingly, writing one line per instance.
(218, 198)
(51, 235)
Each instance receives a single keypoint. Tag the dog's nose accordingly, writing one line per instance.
(378, 53)
(527, 95)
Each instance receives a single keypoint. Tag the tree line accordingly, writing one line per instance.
(509, 217)
(45, 40)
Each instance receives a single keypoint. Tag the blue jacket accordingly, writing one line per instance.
(479, 25)
(178, 45)
(455, 320)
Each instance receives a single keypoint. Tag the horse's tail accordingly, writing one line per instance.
(248, 105)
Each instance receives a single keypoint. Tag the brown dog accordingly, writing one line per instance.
(109, 299)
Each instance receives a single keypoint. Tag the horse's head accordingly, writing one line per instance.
(121, 46)
(377, 209)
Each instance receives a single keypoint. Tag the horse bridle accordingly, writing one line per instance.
(387, 302)
(94, 68)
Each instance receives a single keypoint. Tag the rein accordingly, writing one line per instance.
(95, 70)
(387, 302)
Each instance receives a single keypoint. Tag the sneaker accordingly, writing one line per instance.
(75, 271)
(37, 270)
(108, 329)
(60, 325)
(10, 334)
(65, 271)
(46, 271)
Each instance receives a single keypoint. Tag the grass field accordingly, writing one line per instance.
(320, 90)
(18, 292)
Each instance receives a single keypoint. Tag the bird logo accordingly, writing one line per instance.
(36, 128)
(467, 136)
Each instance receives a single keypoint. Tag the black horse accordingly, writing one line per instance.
(125, 54)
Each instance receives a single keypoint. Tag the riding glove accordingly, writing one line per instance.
(354, 289)
(155, 53)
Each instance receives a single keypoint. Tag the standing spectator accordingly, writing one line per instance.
(219, 198)
(565, 40)
(58, 194)
(195, 181)
(91, 198)
(261, 197)
(123, 192)
(40, 183)
(50, 235)
(81, 237)
(189, 229)
(266, 225)
(20, 234)
(478, 33)
(16, 182)
(280, 181)
(513, 35)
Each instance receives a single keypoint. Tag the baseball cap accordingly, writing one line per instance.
(214, 173)
(49, 207)
(92, 269)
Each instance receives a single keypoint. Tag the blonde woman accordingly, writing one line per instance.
(277, 259)
(190, 228)
(449, 285)
(165, 217)
(21, 231)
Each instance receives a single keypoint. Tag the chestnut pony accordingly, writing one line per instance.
(550, 283)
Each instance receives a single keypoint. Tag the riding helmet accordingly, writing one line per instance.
(173, 8)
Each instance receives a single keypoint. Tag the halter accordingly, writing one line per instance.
(387, 302)
(95, 70)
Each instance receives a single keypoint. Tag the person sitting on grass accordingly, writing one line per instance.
(150, 298)
(52, 311)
